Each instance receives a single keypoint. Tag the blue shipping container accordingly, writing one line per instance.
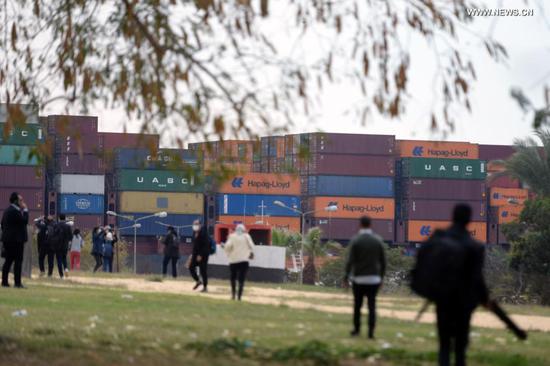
(332, 185)
(150, 227)
(130, 158)
(83, 204)
(253, 204)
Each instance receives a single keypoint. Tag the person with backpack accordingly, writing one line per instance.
(14, 236)
(171, 252)
(449, 272)
(44, 251)
(239, 249)
(76, 246)
(365, 267)
(98, 236)
(202, 247)
(108, 250)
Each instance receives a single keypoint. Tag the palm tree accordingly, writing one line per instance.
(530, 164)
(314, 248)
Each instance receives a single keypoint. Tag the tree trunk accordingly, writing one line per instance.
(310, 272)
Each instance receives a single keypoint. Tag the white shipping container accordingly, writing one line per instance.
(80, 183)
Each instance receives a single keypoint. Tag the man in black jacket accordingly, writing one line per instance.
(199, 256)
(454, 313)
(14, 236)
(171, 252)
(58, 240)
(42, 243)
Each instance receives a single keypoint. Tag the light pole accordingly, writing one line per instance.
(303, 214)
(131, 218)
(136, 226)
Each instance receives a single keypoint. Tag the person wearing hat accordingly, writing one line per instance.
(239, 249)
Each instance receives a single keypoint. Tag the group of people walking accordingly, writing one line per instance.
(103, 248)
(55, 240)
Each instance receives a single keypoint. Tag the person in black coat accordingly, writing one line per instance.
(59, 244)
(199, 256)
(171, 252)
(42, 243)
(14, 235)
(454, 313)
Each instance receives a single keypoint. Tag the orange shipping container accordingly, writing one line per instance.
(509, 213)
(262, 183)
(281, 223)
(500, 196)
(355, 207)
(437, 149)
(421, 230)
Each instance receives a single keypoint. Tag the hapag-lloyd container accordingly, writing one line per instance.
(445, 189)
(346, 229)
(444, 168)
(27, 113)
(114, 140)
(28, 134)
(335, 185)
(151, 202)
(79, 164)
(418, 231)
(441, 209)
(354, 207)
(276, 222)
(340, 143)
(256, 205)
(87, 144)
(259, 183)
(509, 213)
(83, 204)
(437, 149)
(150, 227)
(17, 155)
(158, 181)
(348, 164)
(495, 152)
(80, 183)
(33, 197)
(72, 125)
(21, 176)
(142, 158)
(85, 223)
(503, 196)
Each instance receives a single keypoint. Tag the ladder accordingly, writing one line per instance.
(297, 263)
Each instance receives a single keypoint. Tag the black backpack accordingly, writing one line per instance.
(439, 271)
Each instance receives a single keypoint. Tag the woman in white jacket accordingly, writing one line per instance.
(239, 249)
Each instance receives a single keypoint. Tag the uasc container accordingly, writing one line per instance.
(444, 168)
(418, 231)
(437, 149)
(17, 155)
(445, 189)
(334, 185)
(506, 196)
(84, 204)
(29, 134)
(257, 205)
(258, 183)
(354, 207)
(159, 181)
(176, 203)
(80, 183)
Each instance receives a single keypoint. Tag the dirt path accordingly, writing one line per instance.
(301, 300)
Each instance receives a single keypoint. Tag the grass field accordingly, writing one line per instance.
(72, 324)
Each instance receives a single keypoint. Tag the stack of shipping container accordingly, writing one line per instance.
(20, 169)
(432, 178)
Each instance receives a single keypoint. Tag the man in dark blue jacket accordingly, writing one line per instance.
(14, 235)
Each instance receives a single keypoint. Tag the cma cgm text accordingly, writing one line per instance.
(268, 185)
(363, 209)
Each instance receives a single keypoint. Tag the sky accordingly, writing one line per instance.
(495, 117)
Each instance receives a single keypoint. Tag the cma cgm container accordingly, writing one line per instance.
(21, 176)
(150, 227)
(251, 205)
(445, 189)
(33, 197)
(85, 223)
(258, 183)
(143, 158)
(177, 203)
(444, 168)
(347, 164)
(442, 209)
(17, 155)
(354, 207)
(79, 164)
(19, 113)
(158, 181)
(29, 134)
(345, 229)
(72, 125)
(80, 183)
(336, 143)
(85, 204)
(503, 196)
(437, 149)
(276, 222)
(334, 185)
(418, 231)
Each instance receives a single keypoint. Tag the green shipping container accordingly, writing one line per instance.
(158, 181)
(30, 134)
(444, 168)
(16, 155)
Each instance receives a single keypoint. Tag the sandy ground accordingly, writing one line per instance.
(299, 300)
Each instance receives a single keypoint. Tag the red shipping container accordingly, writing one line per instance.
(495, 152)
(89, 144)
(445, 189)
(347, 164)
(79, 164)
(113, 140)
(86, 223)
(503, 182)
(340, 143)
(72, 125)
(441, 209)
(345, 229)
(33, 197)
(22, 176)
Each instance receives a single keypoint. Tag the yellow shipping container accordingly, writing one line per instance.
(175, 203)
